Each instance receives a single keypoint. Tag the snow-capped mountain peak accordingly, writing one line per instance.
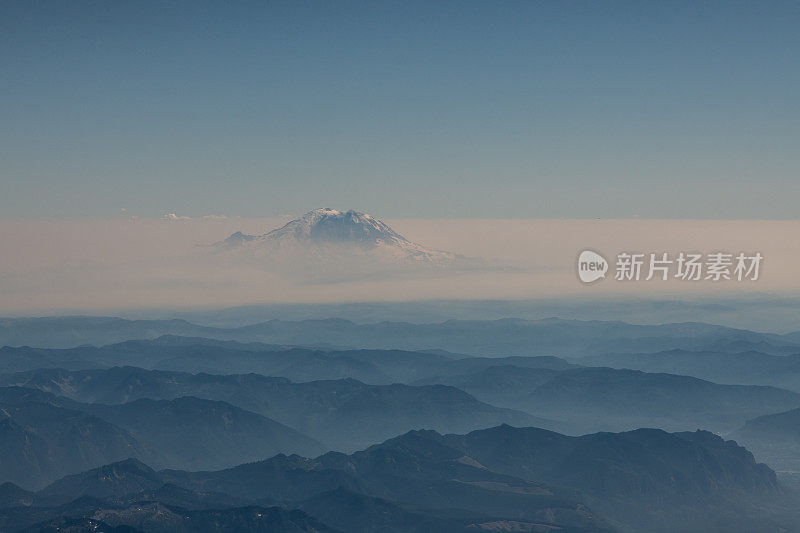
(327, 225)
(328, 229)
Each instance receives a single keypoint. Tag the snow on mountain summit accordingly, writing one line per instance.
(330, 225)
(330, 230)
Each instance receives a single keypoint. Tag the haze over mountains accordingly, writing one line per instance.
(332, 425)
(45, 436)
(180, 273)
(343, 414)
(580, 398)
(762, 364)
(473, 337)
(763, 312)
(424, 481)
(557, 290)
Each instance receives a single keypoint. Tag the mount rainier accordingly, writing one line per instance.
(331, 241)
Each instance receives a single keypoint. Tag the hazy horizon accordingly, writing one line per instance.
(121, 264)
(520, 134)
(452, 266)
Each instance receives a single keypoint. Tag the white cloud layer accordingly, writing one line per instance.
(80, 265)
(173, 216)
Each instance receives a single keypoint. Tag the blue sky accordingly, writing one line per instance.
(402, 109)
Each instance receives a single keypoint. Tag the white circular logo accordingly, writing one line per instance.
(591, 266)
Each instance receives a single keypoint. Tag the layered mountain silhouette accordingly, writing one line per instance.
(607, 399)
(343, 414)
(415, 389)
(44, 436)
(751, 366)
(499, 479)
(193, 433)
(784, 426)
(775, 438)
(41, 442)
(173, 426)
(620, 399)
(504, 337)
(296, 363)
